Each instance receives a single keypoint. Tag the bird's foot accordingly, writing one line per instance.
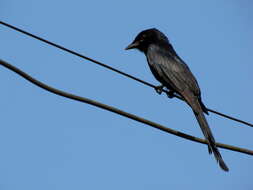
(170, 94)
(159, 89)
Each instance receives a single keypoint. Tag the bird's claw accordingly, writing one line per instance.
(170, 94)
(159, 89)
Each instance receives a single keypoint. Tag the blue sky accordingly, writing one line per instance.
(49, 142)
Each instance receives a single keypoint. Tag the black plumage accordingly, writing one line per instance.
(171, 71)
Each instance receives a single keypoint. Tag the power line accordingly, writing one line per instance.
(115, 70)
(117, 111)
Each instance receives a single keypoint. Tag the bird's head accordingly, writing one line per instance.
(146, 38)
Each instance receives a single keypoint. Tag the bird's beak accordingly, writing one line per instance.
(132, 45)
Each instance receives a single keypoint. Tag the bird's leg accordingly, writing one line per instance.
(170, 94)
(159, 89)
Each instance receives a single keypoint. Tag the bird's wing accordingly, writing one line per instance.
(172, 71)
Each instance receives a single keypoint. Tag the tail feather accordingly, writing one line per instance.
(197, 107)
(211, 141)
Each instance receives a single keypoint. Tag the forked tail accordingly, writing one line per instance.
(209, 137)
(195, 104)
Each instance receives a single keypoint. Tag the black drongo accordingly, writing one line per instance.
(171, 71)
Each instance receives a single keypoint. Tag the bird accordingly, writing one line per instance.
(175, 75)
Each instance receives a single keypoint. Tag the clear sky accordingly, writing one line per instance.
(49, 142)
